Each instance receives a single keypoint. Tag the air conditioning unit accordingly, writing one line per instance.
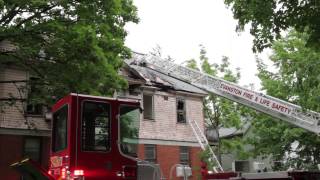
(259, 166)
(241, 166)
(183, 171)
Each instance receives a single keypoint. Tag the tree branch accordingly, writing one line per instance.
(12, 99)
(13, 81)
(26, 64)
(35, 15)
(21, 97)
(10, 15)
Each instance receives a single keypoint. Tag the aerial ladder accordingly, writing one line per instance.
(78, 159)
(291, 113)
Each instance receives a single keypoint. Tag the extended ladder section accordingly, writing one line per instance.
(277, 108)
(204, 144)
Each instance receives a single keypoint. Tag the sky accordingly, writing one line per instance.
(180, 26)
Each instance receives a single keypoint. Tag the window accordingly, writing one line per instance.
(32, 148)
(241, 166)
(148, 106)
(150, 153)
(184, 155)
(95, 126)
(181, 110)
(134, 90)
(34, 107)
(59, 138)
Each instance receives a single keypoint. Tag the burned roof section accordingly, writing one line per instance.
(158, 79)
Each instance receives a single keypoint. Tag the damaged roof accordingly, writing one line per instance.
(227, 132)
(158, 79)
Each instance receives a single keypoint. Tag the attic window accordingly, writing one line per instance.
(181, 110)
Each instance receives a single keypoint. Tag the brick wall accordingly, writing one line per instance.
(165, 126)
(168, 157)
(11, 150)
(10, 89)
(13, 116)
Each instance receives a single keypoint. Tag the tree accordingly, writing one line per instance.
(268, 18)
(67, 46)
(220, 112)
(297, 81)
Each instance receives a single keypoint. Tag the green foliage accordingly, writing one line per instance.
(192, 63)
(205, 156)
(129, 129)
(70, 46)
(236, 146)
(297, 80)
(268, 18)
(220, 112)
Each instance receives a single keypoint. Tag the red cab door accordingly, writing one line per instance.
(97, 153)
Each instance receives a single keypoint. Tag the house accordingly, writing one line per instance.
(165, 137)
(23, 130)
(230, 161)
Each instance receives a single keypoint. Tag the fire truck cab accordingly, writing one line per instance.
(94, 138)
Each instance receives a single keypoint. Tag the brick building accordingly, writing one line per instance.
(165, 136)
(23, 130)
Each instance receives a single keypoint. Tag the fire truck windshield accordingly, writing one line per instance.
(95, 126)
(129, 129)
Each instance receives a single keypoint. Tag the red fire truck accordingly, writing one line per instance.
(93, 138)
(96, 137)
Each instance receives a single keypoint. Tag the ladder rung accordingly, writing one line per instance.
(201, 138)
